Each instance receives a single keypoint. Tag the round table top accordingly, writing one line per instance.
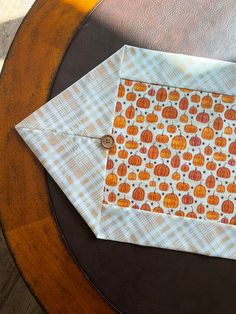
(147, 280)
(27, 221)
(32, 63)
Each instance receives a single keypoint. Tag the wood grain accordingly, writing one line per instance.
(24, 206)
(20, 300)
(14, 295)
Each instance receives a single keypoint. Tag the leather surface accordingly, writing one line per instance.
(139, 279)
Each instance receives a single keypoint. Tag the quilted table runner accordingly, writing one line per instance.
(144, 147)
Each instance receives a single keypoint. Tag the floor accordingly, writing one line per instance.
(15, 297)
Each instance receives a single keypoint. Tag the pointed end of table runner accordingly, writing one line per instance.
(76, 163)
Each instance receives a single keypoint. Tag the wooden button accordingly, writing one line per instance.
(107, 141)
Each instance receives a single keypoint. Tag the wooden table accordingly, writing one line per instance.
(171, 282)
(28, 224)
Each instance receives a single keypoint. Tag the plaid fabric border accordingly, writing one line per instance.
(165, 231)
(178, 70)
(65, 136)
(86, 107)
(77, 164)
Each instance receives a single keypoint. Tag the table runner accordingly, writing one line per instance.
(169, 179)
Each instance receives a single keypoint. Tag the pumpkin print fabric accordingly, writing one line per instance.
(175, 152)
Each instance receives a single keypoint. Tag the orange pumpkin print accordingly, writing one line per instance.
(111, 197)
(218, 123)
(182, 186)
(179, 142)
(123, 202)
(219, 107)
(171, 128)
(174, 152)
(163, 186)
(174, 95)
(130, 112)
(175, 161)
(190, 128)
(180, 213)
(232, 148)
(161, 94)
(183, 104)
(131, 144)
(138, 194)
(187, 155)
(171, 200)
(132, 176)
(162, 138)
(143, 102)
(146, 207)
(146, 136)
(210, 181)
(195, 98)
(121, 91)
(207, 102)
(184, 118)
(152, 117)
(199, 191)
(153, 152)
(220, 188)
(193, 110)
(132, 129)
(122, 154)
(124, 187)
(158, 209)
(161, 170)
(135, 160)
(230, 114)
(149, 165)
(203, 117)
(120, 121)
(120, 139)
(228, 98)
(191, 214)
(169, 112)
(131, 96)
(140, 87)
(118, 106)
(212, 215)
(111, 179)
(154, 196)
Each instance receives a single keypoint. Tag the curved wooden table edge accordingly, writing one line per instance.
(28, 224)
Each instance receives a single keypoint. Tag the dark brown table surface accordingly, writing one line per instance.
(137, 279)
(26, 217)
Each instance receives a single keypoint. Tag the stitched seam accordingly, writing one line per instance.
(58, 132)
